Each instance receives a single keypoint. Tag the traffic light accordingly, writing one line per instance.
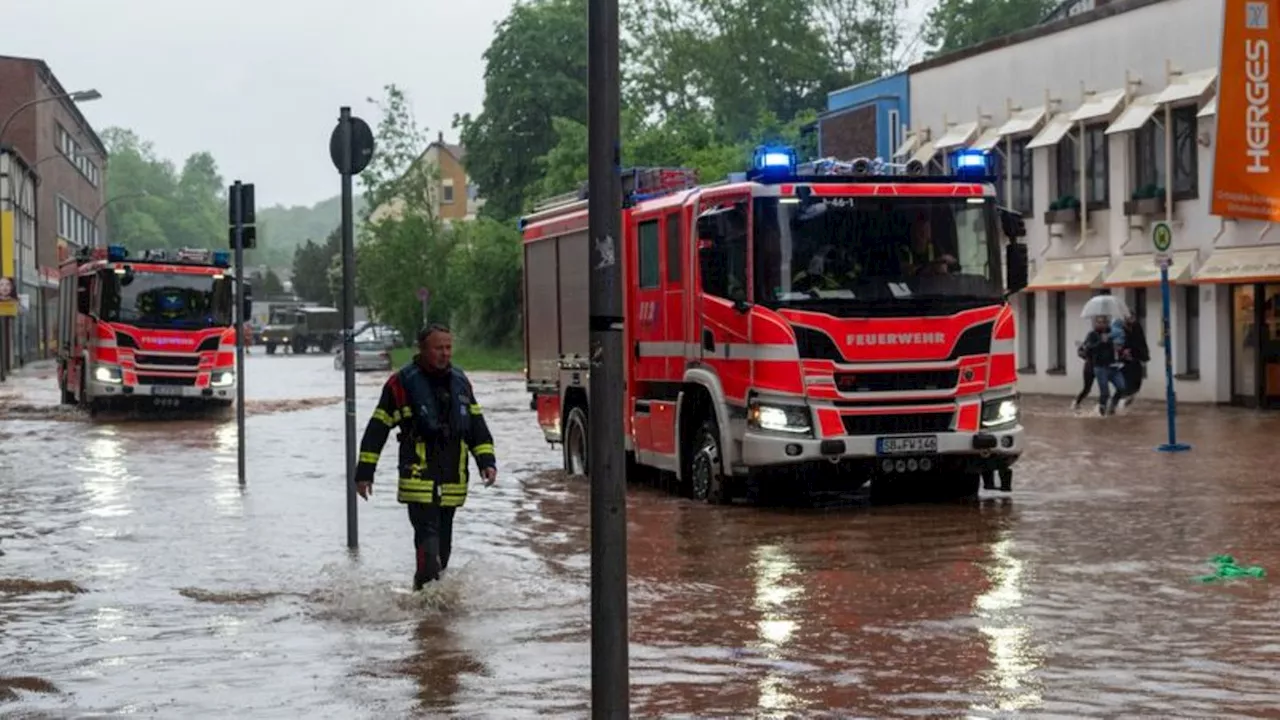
(240, 210)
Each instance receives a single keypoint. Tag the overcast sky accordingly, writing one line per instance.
(258, 83)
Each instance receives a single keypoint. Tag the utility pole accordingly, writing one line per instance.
(351, 149)
(243, 236)
(610, 682)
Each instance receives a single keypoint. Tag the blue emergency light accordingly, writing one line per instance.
(773, 161)
(117, 253)
(976, 164)
(222, 258)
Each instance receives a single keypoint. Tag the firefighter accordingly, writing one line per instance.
(432, 404)
(920, 256)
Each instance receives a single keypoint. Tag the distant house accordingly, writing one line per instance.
(452, 194)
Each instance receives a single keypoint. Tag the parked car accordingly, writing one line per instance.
(369, 356)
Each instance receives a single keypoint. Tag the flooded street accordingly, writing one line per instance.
(138, 577)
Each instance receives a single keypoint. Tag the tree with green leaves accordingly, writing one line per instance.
(535, 71)
(957, 24)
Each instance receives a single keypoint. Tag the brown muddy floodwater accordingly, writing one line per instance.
(137, 577)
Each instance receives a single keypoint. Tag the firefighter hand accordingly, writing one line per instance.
(490, 476)
(364, 489)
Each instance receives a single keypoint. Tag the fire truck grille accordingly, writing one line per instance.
(166, 380)
(897, 424)
(167, 360)
(897, 381)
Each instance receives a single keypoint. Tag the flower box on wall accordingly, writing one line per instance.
(1062, 216)
(1147, 200)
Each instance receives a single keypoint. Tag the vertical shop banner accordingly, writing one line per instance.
(8, 267)
(1246, 162)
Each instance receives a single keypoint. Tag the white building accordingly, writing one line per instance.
(1108, 76)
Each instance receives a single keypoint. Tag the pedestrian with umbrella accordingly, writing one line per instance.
(1103, 347)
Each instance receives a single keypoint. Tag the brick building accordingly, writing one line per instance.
(53, 137)
(865, 120)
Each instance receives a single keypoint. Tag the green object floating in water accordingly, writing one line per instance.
(1225, 567)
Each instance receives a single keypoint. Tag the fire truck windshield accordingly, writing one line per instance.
(166, 300)
(842, 250)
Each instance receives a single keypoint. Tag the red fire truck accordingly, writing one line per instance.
(156, 330)
(836, 321)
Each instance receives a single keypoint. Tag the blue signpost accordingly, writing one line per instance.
(1162, 239)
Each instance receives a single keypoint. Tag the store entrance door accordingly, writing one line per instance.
(1255, 345)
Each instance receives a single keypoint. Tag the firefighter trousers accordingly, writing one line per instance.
(432, 540)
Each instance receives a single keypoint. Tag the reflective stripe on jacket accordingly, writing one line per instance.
(433, 465)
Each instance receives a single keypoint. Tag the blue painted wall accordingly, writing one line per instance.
(887, 93)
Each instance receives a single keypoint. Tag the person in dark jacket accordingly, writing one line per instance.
(432, 404)
(1101, 352)
(1086, 376)
(1136, 357)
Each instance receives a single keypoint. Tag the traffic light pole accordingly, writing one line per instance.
(237, 215)
(610, 683)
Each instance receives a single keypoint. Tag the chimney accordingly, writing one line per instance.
(440, 137)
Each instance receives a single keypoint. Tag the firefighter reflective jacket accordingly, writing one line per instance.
(439, 422)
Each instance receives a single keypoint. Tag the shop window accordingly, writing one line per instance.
(1148, 154)
(1058, 308)
(1139, 305)
(1191, 331)
(1028, 332)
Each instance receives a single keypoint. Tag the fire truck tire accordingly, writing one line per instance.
(707, 480)
(575, 441)
(90, 404)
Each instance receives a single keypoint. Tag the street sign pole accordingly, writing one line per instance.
(610, 683)
(351, 149)
(1162, 239)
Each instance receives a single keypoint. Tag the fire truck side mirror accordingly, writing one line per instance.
(1012, 224)
(1016, 265)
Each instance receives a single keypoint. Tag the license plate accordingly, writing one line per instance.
(166, 390)
(907, 445)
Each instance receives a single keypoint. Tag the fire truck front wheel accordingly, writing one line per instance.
(575, 441)
(707, 480)
(92, 405)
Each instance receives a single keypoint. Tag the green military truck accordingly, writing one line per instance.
(301, 328)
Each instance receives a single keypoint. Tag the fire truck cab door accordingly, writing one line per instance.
(722, 322)
(648, 347)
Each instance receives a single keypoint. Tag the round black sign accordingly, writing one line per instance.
(361, 146)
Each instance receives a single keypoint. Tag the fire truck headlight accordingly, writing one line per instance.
(222, 379)
(1000, 413)
(779, 418)
(107, 374)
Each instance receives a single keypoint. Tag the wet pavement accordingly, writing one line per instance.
(138, 577)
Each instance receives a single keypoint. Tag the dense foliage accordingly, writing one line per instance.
(703, 82)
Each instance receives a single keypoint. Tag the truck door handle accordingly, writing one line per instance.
(708, 340)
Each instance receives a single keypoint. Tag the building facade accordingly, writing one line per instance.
(1078, 110)
(21, 333)
(54, 137)
(450, 193)
(865, 120)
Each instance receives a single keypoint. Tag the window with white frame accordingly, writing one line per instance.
(72, 150)
(1020, 175)
(446, 190)
(1149, 155)
(74, 226)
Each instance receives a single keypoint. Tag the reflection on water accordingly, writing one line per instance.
(1075, 598)
(1008, 635)
(776, 589)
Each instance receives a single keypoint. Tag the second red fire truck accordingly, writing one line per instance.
(156, 330)
(842, 320)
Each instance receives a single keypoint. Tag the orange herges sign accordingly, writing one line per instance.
(1246, 163)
